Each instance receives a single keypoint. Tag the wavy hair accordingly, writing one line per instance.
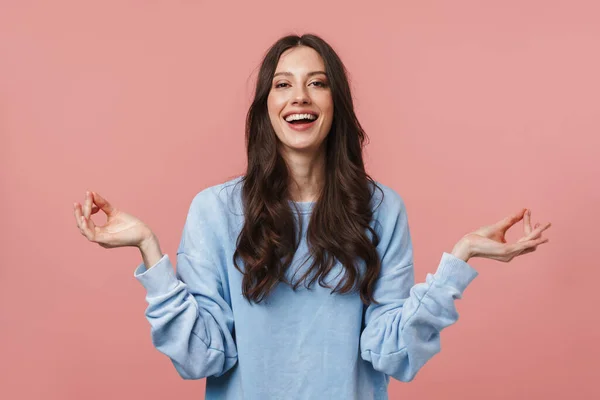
(342, 213)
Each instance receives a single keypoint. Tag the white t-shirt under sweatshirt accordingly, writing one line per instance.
(303, 344)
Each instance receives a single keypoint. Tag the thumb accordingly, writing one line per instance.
(102, 203)
(509, 221)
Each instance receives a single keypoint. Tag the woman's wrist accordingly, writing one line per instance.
(148, 240)
(462, 250)
(150, 249)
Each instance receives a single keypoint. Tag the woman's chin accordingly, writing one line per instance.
(301, 146)
(301, 142)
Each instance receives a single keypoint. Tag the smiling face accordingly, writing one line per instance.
(300, 104)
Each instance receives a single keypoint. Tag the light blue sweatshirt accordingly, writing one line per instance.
(307, 344)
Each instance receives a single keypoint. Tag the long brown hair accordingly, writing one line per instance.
(342, 214)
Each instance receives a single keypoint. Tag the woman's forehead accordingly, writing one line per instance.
(300, 59)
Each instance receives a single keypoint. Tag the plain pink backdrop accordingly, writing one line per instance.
(474, 109)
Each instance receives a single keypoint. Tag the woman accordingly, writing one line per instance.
(235, 312)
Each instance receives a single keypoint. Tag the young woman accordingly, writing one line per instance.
(296, 280)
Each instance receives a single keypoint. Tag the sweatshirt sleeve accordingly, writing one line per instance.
(403, 332)
(190, 319)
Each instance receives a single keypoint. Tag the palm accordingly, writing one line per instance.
(489, 241)
(121, 229)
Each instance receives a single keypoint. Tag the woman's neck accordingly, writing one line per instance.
(307, 176)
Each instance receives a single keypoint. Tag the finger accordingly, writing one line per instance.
(519, 247)
(77, 212)
(87, 205)
(509, 221)
(91, 225)
(85, 230)
(86, 226)
(548, 225)
(527, 222)
(103, 203)
(535, 234)
(89, 229)
(80, 219)
(95, 209)
(534, 243)
(529, 250)
(538, 231)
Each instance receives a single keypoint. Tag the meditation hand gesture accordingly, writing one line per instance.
(121, 229)
(489, 241)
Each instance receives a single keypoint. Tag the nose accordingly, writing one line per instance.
(300, 96)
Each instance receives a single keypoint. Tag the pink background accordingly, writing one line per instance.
(474, 110)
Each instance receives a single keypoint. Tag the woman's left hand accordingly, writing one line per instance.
(489, 242)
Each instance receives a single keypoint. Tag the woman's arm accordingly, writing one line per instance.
(191, 321)
(403, 332)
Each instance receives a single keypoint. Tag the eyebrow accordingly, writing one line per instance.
(309, 74)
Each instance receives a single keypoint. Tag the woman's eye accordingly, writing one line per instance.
(280, 84)
(318, 83)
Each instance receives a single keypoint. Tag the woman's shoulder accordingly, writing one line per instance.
(385, 199)
(223, 196)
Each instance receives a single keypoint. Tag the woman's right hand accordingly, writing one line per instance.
(121, 229)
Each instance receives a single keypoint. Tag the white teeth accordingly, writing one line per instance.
(293, 117)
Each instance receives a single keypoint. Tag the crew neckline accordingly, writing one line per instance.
(304, 207)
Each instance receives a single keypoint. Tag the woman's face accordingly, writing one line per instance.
(300, 87)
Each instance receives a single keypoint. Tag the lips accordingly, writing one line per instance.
(300, 112)
(301, 126)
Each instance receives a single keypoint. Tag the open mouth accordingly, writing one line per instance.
(301, 121)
